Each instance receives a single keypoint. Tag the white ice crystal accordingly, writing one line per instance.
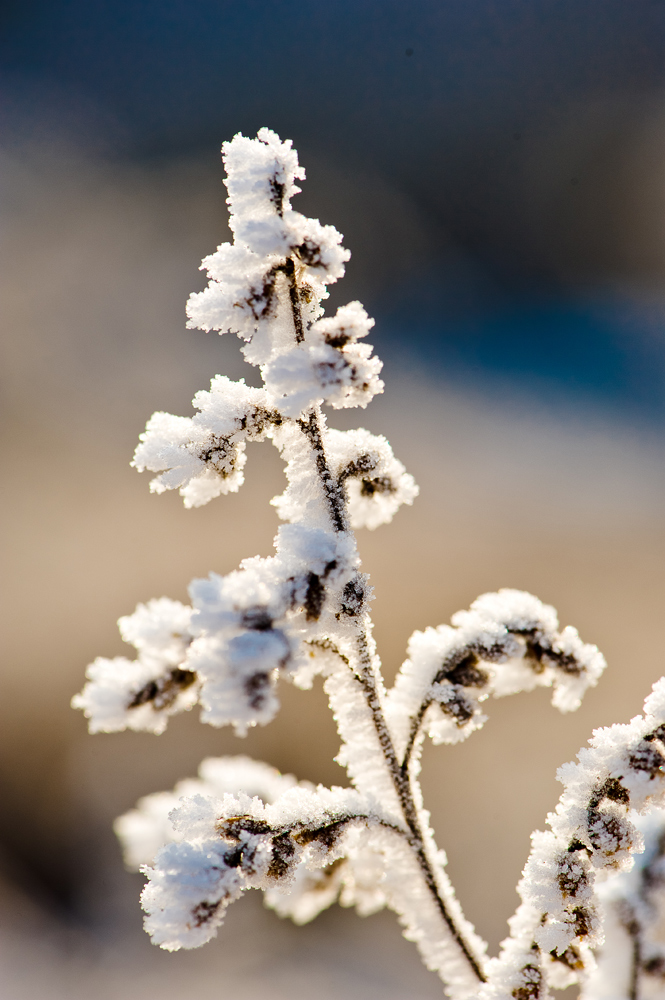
(204, 456)
(141, 694)
(329, 366)
(376, 483)
(147, 828)
(303, 612)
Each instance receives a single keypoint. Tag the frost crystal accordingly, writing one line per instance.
(303, 612)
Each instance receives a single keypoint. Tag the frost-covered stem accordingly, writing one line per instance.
(334, 494)
(294, 298)
(401, 779)
(413, 735)
(402, 783)
(559, 918)
(311, 425)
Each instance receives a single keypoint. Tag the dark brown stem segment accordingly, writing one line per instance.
(294, 298)
(633, 992)
(336, 498)
(310, 425)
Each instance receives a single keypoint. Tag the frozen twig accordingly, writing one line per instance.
(304, 612)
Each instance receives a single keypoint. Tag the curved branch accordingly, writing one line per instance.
(402, 783)
(495, 633)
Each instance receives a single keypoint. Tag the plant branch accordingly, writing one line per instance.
(401, 781)
(334, 493)
(401, 777)
(311, 426)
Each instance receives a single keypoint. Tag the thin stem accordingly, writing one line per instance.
(413, 734)
(401, 780)
(306, 835)
(311, 425)
(290, 272)
(336, 498)
(633, 990)
(334, 493)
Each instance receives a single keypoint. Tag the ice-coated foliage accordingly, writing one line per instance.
(631, 961)
(303, 612)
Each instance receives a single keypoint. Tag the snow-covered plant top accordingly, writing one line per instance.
(305, 611)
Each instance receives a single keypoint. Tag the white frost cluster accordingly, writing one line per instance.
(145, 829)
(271, 240)
(505, 643)
(228, 845)
(631, 960)
(329, 366)
(204, 456)
(304, 611)
(375, 482)
(591, 837)
(141, 694)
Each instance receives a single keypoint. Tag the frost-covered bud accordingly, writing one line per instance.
(239, 677)
(134, 694)
(204, 456)
(315, 563)
(244, 642)
(144, 830)
(193, 881)
(376, 483)
(317, 248)
(241, 292)
(141, 694)
(549, 657)
(252, 597)
(261, 175)
(329, 366)
(272, 242)
(353, 880)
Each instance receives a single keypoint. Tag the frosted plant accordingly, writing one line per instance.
(631, 961)
(304, 612)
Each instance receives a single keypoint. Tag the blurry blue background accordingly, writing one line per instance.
(526, 139)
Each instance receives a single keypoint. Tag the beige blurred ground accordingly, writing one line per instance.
(97, 263)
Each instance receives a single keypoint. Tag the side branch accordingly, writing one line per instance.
(506, 643)
(401, 781)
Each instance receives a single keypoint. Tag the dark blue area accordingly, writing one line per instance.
(605, 354)
(436, 96)
(176, 72)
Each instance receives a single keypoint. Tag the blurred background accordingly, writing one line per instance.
(498, 170)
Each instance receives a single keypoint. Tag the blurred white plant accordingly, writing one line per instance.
(305, 611)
